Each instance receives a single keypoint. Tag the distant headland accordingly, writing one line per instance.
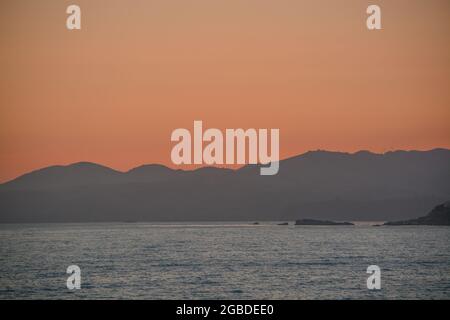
(313, 222)
(439, 216)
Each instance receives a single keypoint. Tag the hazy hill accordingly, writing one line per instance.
(324, 185)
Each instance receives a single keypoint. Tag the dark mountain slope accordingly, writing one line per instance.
(320, 185)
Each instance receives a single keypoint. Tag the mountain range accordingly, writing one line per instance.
(338, 186)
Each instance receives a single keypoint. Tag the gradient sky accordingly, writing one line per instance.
(113, 92)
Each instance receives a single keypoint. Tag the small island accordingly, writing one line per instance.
(312, 222)
(439, 216)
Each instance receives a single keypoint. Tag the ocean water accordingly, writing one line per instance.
(223, 261)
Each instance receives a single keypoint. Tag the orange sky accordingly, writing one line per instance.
(113, 92)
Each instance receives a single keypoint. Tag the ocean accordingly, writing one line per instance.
(223, 260)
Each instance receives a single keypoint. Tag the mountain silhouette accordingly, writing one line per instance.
(336, 186)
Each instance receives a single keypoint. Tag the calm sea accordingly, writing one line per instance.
(223, 261)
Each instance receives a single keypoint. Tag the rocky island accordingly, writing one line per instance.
(312, 222)
(439, 216)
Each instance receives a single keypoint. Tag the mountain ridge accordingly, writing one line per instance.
(318, 184)
(162, 167)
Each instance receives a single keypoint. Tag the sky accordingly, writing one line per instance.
(113, 92)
